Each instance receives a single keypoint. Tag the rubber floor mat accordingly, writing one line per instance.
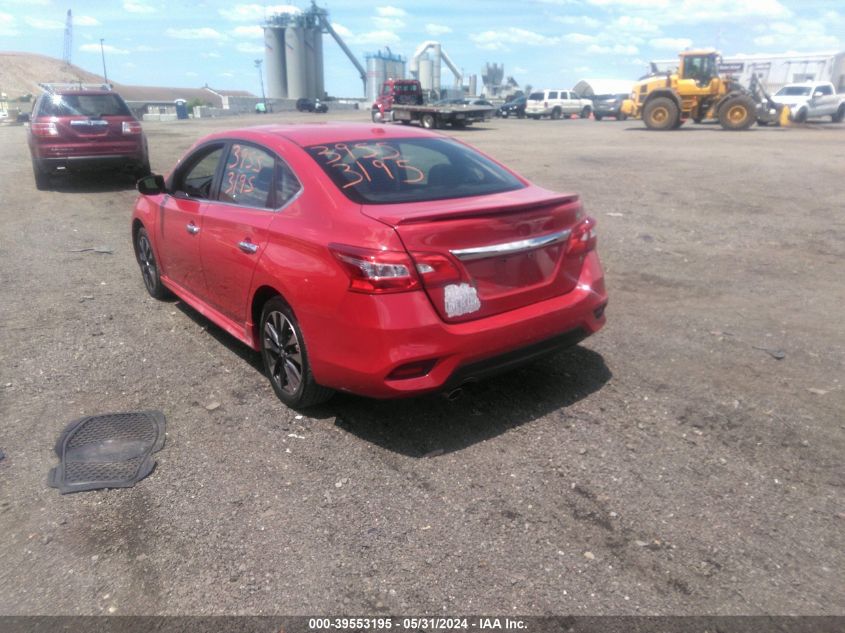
(114, 450)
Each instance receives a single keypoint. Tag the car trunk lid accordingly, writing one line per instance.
(485, 255)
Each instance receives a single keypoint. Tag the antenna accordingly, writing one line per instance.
(68, 38)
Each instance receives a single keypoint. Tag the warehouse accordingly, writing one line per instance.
(774, 71)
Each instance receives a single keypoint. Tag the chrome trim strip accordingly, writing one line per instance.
(510, 248)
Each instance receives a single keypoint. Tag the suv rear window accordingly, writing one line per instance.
(93, 105)
(410, 170)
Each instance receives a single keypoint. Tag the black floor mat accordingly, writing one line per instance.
(114, 450)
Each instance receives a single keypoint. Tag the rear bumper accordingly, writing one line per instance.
(385, 332)
(84, 163)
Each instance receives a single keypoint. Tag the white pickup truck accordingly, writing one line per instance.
(812, 99)
(556, 104)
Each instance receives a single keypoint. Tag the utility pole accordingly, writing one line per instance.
(103, 54)
(261, 81)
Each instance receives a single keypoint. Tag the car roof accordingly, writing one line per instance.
(305, 134)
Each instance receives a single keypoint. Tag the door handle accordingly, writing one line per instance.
(192, 228)
(247, 247)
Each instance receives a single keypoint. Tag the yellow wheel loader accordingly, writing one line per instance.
(665, 101)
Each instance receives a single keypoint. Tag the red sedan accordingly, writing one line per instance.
(380, 261)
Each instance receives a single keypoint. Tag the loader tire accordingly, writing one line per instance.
(661, 113)
(738, 113)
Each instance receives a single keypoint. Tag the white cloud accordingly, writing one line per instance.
(191, 73)
(85, 20)
(437, 29)
(255, 12)
(580, 38)
(107, 48)
(617, 49)
(7, 24)
(202, 33)
(391, 12)
(805, 34)
(638, 4)
(137, 7)
(696, 11)
(634, 23)
(245, 47)
(39, 23)
(143, 48)
(671, 43)
(377, 37)
(228, 75)
(499, 40)
(389, 23)
(211, 55)
(248, 31)
(341, 30)
(578, 20)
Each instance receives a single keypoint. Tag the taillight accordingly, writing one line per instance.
(583, 238)
(131, 127)
(436, 270)
(376, 272)
(44, 128)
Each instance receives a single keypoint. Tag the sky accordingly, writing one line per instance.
(544, 43)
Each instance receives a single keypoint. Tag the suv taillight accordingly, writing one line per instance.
(376, 272)
(583, 238)
(44, 128)
(131, 127)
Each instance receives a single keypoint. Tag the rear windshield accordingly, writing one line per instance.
(793, 91)
(410, 170)
(83, 105)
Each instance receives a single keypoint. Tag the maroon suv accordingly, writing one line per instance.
(78, 128)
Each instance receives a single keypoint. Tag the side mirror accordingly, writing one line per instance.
(152, 185)
(817, 94)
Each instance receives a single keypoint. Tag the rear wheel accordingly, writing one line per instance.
(661, 113)
(738, 113)
(840, 114)
(556, 113)
(585, 113)
(428, 121)
(598, 117)
(621, 116)
(42, 179)
(800, 116)
(143, 170)
(286, 358)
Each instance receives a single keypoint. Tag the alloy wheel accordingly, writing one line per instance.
(281, 345)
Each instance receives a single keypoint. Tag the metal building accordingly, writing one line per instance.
(774, 71)
(380, 67)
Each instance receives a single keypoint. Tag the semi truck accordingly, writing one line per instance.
(401, 100)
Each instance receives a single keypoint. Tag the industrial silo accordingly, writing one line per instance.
(426, 73)
(296, 60)
(376, 74)
(274, 56)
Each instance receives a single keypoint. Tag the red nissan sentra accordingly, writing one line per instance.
(382, 261)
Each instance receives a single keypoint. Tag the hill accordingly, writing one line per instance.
(20, 73)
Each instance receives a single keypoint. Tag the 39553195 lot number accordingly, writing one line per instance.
(328, 624)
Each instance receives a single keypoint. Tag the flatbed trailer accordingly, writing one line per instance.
(430, 116)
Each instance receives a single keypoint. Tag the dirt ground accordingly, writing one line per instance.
(670, 464)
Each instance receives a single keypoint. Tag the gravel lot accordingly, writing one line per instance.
(669, 465)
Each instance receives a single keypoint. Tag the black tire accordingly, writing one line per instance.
(376, 117)
(555, 114)
(585, 113)
(143, 170)
(520, 115)
(598, 117)
(800, 116)
(149, 267)
(429, 122)
(42, 179)
(840, 114)
(660, 113)
(459, 124)
(621, 116)
(285, 357)
(762, 123)
(738, 113)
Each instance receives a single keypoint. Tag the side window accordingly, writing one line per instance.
(287, 185)
(552, 94)
(248, 177)
(825, 90)
(197, 177)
